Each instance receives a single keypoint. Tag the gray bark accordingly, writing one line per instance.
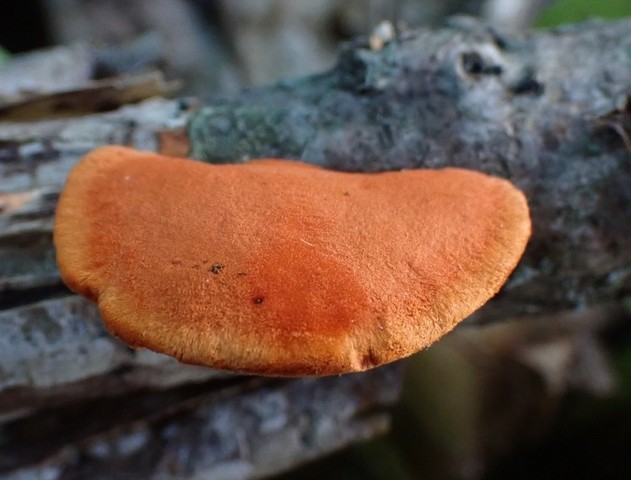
(546, 110)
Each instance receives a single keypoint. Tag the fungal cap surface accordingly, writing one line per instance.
(277, 268)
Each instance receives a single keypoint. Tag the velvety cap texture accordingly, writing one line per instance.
(275, 267)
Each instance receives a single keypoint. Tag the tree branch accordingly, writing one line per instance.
(547, 110)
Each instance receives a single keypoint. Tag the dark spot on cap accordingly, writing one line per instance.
(258, 300)
(216, 268)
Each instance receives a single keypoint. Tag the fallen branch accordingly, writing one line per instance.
(547, 110)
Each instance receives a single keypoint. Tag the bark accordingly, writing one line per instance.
(190, 46)
(546, 110)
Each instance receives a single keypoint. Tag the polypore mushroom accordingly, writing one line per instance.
(279, 268)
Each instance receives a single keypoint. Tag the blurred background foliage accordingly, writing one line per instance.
(571, 11)
(221, 46)
(4, 56)
(520, 400)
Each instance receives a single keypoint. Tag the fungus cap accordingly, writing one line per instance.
(279, 268)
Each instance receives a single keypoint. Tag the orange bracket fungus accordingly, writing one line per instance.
(275, 267)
